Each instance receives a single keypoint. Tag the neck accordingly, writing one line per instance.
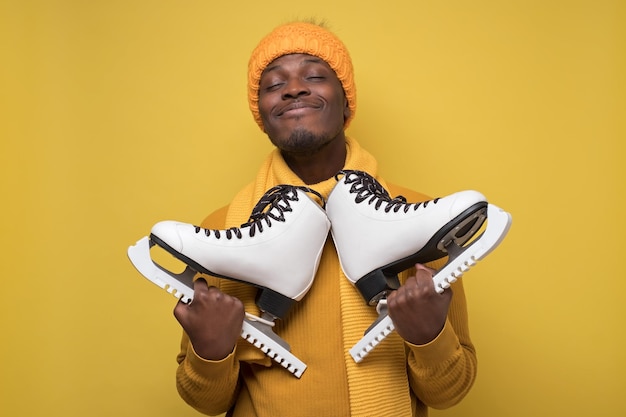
(318, 166)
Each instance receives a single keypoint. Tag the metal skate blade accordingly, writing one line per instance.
(372, 338)
(375, 323)
(181, 286)
(381, 308)
(266, 327)
(268, 344)
(462, 259)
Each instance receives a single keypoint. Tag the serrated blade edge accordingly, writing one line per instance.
(272, 349)
(499, 223)
(181, 286)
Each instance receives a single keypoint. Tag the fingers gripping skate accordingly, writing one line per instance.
(460, 261)
(181, 286)
(250, 253)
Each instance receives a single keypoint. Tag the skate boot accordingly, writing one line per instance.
(278, 250)
(377, 237)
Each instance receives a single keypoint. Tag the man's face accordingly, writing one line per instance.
(302, 103)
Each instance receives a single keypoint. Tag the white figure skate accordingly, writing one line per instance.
(377, 237)
(278, 250)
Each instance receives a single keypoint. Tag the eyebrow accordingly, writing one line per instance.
(311, 60)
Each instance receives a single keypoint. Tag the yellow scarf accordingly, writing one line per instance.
(378, 386)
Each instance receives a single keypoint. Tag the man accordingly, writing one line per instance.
(302, 94)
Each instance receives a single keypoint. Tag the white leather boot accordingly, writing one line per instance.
(277, 250)
(377, 236)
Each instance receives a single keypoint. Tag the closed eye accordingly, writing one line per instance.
(272, 87)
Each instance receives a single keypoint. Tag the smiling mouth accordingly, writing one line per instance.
(296, 108)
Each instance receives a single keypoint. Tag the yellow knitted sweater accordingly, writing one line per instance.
(396, 379)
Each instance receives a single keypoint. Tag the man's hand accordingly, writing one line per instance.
(417, 310)
(213, 321)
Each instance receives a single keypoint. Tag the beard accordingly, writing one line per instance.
(303, 142)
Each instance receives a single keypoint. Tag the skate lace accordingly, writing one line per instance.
(367, 188)
(271, 207)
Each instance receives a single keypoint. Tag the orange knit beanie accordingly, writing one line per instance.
(301, 38)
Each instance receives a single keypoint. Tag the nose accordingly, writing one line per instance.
(295, 88)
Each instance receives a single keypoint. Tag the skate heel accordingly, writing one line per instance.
(376, 285)
(273, 302)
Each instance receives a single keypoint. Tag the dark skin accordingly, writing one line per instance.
(303, 108)
(213, 321)
(417, 310)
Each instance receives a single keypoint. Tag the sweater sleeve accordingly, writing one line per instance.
(210, 387)
(442, 372)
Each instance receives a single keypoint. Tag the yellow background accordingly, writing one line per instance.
(117, 114)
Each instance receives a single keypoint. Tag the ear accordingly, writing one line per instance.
(346, 110)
